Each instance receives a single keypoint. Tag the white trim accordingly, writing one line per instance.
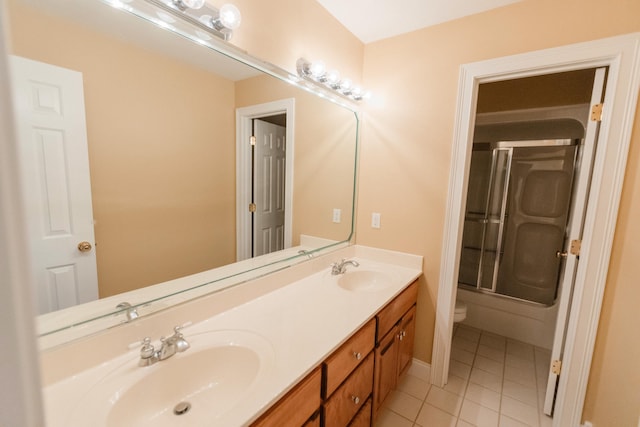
(420, 369)
(622, 55)
(244, 115)
(20, 397)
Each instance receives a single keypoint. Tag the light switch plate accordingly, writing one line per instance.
(337, 214)
(375, 220)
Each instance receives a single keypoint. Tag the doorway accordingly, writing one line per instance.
(519, 225)
(619, 54)
(268, 172)
(274, 118)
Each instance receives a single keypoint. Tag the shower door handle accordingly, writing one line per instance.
(560, 254)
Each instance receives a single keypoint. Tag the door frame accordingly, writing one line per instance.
(622, 55)
(244, 131)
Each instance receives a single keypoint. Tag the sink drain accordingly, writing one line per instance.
(181, 408)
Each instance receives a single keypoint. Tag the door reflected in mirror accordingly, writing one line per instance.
(160, 153)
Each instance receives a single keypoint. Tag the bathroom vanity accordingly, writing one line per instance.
(350, 385)
(297, 347)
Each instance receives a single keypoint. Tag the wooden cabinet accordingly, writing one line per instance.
(386, 372)
(344, 360)
(348, 379)
(347, 400)
(298, 406)
(314, 421)
(389, 316)
(351, 384)
(394, 343)
(406, 338)
(363, 418)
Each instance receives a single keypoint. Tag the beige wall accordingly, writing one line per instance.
(157, 145)
(407, 142)
(281, 31)
(324, 156)
(406, 155)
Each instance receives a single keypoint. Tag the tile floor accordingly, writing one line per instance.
(493, 382)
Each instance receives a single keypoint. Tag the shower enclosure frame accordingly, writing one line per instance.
(486, 217)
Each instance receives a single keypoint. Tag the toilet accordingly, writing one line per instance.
(460, 312)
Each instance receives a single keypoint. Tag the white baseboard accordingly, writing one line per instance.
(420, 370)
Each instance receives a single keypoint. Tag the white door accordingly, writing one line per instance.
(574, 232)
(54, 163)
(268, 187)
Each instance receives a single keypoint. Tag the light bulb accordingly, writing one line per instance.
(333, 77)
(345, 86)
(230, 16)
(317, 68)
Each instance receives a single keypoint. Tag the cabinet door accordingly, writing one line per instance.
(406, 338)
(386, 371)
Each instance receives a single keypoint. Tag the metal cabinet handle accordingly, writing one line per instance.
(357, 355)
(355, 399)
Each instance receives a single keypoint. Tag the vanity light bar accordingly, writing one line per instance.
(218, 22)
(316, 72)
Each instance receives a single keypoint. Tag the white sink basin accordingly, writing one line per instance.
(364, 280)
(197, 386)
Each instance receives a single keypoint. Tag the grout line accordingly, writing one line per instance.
(538, 384)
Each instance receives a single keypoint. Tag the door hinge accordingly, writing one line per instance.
(252, 140)
(574, 249)
(556, 367)
(252, 207)
(596, 113)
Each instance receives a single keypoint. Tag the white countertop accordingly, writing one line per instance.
(302, 323)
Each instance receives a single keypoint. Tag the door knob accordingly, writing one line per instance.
(561, 254)
(84, 246)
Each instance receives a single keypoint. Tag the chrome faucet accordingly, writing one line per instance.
(341, 267)
(131, 313)
(176, 343)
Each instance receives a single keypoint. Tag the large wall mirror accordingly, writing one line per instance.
(163, 117)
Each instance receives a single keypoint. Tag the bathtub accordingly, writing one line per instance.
(516, 319)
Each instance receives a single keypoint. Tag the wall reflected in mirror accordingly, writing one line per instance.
(161, 138)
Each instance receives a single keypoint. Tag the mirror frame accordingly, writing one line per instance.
(93, 317)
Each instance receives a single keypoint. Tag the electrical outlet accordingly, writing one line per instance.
(337, 213)
(375, 220)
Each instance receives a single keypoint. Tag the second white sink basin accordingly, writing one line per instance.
(196, 387)
(364, 280)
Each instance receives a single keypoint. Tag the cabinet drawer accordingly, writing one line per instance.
(314, 421)
(344, 360)
(392, 312)
(350, 396)
(297, 406)
(363, 419)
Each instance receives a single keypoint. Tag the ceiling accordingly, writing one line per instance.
(372, 20)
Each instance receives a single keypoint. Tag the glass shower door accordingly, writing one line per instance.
(486, 201)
